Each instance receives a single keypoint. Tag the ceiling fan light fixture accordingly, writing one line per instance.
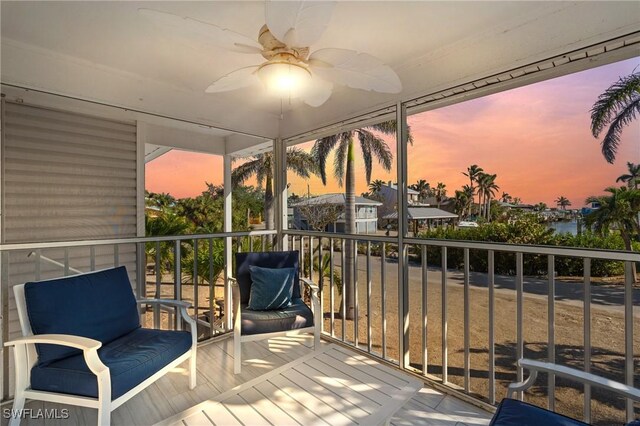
(284, 78)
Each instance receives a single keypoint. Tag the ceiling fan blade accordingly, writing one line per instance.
(355, 70)
(201, 32)
(237, 79)
(317, 93)
(298, 23)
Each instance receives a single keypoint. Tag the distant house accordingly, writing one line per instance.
(366, 213)
(418, 217)
(388, 194)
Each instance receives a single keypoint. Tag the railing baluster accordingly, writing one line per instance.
(177, 283)
(37, 259)
(445, 373)
(116, 255)
(321, 282)
(66, 261)
(311, 258)
(425, 300)
(356, 304)
(158, 269)
(343, 305)
(587, 336)
(301, 253)
(551, 332)
(492, 343)
(383, 298)
(331, 290)
(519, 314)
(369, 296)
(628, 333)
(92, 258)
(195, 279)
(261, 242)
(467, 318)
(212, 290)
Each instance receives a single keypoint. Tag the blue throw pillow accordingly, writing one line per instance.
(270, 288)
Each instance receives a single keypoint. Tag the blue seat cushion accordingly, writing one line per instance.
(273, 260)
(293, 317)
(271, 288)
(512, 412)
(99, 305)
(131, 359)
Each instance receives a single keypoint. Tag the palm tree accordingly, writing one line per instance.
(562, 202)
(423, 188)
(616, 108)
(461, 202)
(468, 192)
(633, 177)
(473, 173)
(376, 186)
(371, 146)
(163, 200)
(261, 166)
(487, 187)
(540, 207)
(440, 192)
(506, 198)
(618, 210)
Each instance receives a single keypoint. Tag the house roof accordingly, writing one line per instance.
(77, 44)
(420, 213)
(337, 198)
(395, 187)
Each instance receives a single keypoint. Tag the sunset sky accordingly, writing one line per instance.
(535, 138)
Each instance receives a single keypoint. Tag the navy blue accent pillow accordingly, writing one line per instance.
(99, 305)
(274, 260)
(271, 289)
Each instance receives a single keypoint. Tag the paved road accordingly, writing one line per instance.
(605, 296)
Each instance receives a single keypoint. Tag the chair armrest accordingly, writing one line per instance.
(315, 301)
(235, 299)
(312, 286)
(78, 342)
(570, 373)
(177, 303)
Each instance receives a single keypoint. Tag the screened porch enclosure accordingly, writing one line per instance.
(75, 140)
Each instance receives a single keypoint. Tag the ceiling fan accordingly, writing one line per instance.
(290, 70)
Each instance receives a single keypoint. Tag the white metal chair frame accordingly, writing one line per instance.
(25, 356)
(570, 373)
(238, 338)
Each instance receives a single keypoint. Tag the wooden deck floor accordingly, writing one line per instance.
(171, 395)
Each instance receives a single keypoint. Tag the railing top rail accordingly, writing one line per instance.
(134, 240)
(481, 245)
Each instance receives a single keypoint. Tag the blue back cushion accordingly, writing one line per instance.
(273, 260)
(99, 305)
(271, 289)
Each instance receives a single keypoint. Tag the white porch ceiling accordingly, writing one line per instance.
(103, 51)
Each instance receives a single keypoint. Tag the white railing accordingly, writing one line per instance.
(369, 329)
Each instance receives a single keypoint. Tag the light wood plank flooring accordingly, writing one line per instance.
(171, 395)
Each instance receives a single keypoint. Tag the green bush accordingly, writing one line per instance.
(525, 230)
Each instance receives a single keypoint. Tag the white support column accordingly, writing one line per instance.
(141, 137)
(403, 293)
(228, 241)
(281, 193)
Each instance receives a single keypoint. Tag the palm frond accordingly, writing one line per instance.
(614, 99)
(301, 163)
(244, 171)
(379, 149)
(611, 140)
(320, 153)
(366, 153)
(341, 156)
